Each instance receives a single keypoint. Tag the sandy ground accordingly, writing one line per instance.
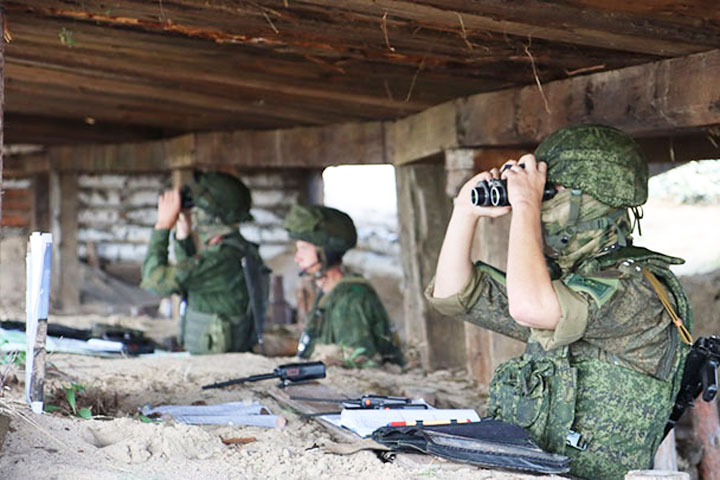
(118, 445)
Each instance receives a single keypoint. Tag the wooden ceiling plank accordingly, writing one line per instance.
(310, 147)
(532, 18)
(565, 22)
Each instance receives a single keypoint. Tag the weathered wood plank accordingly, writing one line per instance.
(354, 143)
(424, 134)
(643, 100)
(423, 213)
(565, 23)
(65, 279)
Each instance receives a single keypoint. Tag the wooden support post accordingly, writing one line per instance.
(666, 455)
(314, 187)
(424, 212)
(40, 216)
(2, 95)
(181, 176)
(66, 275)
(485, 349)
(460, 166)
(707, 428)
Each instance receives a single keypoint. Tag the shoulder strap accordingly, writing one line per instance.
(662, 294)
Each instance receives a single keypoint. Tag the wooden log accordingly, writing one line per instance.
(423, 212)
(66, 272)
(577, 25)
(707, 428)
(644, 100)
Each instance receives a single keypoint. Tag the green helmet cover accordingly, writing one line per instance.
(223, 198)
(601, 161)
(325, 227)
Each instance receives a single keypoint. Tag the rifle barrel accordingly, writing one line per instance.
(324, 400)
(251, 378)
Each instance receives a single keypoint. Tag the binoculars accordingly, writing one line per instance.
(186, 199)
(493, 192)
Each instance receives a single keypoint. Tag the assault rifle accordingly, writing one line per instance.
(368, 402)
(133, 341)
(699, 376)
(288, 374)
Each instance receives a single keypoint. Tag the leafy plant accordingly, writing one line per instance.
(71, 393)
(355, 358)
(13, 358)
(66, 37)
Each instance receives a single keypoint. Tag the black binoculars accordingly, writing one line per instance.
(186, 199)
(493, 193)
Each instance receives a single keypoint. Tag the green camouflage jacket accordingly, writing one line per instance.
(609, 372)
(352, 315)
(212, 281)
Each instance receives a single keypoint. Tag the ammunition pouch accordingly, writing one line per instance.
(607, 418)
(203, 333)
(537, 392)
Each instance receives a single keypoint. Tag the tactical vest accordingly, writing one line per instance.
(315, 321)
(203, 333)
(606, 417)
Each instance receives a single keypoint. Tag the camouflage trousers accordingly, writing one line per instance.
(619, 414)
(203, 333)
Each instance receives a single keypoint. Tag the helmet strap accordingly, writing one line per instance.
(638, 213)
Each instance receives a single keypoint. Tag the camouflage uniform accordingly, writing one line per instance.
(351, 314)
(609, 372)
(217, 317)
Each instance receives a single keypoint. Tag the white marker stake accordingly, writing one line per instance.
(37, 302)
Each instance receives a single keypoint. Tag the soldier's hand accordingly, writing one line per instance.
(168, 209)
(525, 184)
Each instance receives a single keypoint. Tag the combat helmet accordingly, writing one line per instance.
(599, 160)
(329, 229)
(222, 197)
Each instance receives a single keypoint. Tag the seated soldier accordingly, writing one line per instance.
(347, 311)
(604, 351)
(217, 316)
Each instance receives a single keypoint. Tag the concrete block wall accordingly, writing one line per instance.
(116, 214)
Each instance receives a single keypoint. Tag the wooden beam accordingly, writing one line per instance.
(306, 147)
(310, 147)
(645, 100)
(65, 279)
(532, 18)
(682, 148)
(424, 134)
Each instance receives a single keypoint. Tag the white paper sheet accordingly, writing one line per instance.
(364, 422)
